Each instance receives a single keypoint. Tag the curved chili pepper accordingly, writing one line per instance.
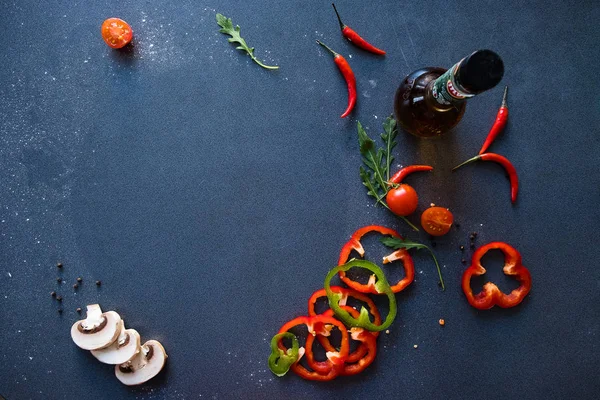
(321, 325)
(361, 350)
(499, 124)
(381, 287)
(280, 360)
(346, 71)
(368, 344)
(404, 172)
(491, 295)
(508, 167)
(402, 255)
(355, 38)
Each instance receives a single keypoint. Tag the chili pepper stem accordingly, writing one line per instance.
(470, 160)
(327, 47)
(342, 26)
(504, 96)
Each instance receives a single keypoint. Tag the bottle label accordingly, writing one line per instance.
(446, 91)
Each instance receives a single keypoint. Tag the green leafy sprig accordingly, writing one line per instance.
(398, 243)
(377, 162)
(228, 29)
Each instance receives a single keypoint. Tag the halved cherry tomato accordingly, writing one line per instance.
(402, 200)
(116, 32)
(437, 221)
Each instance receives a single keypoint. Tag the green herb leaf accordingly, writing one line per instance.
(228, 29)
(389, 126)
(371, 157)
(371, 185)
(398, 243)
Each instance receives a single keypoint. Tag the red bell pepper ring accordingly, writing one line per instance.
(320, 325)
(362, 349)
(491, 294)
(399, 176)
(402, 255)
(368, 343)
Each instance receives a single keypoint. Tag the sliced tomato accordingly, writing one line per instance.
(437, 221)
(116, 32)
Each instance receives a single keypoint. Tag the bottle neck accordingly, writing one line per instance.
(446, 91)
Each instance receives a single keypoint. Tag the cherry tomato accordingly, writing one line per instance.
(402, 200)
(116, 32)
(437, 220)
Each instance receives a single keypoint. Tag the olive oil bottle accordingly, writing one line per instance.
(431, 101)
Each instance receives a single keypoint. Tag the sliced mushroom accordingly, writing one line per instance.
(143, 367)
(121, 350)
(98, 330)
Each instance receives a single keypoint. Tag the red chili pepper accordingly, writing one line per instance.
(346, 71)
(320, 325)
(368, 345)
(361, 350)
(499, 124)
(508, 167)
(491, 295)
(355, 38)
(402, 255)
(404, 172)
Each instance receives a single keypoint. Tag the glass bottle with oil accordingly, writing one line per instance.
(431, 101)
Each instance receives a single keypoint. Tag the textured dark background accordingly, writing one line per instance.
(211, 196)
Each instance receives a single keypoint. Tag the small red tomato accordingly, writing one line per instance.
(402, 200)
(116, 32)
(437, 221)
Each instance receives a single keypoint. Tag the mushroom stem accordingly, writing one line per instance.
(93, 318)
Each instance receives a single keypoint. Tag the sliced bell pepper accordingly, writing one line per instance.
(402, 255)
(360, 350)
(319, 325)
(380, 285)
(280, 360)
(491, 295)
(351, 367)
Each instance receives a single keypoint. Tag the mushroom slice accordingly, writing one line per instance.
(98, 330)
(121, 350)
(143, 367)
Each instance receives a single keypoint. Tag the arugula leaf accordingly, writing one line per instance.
(398, 243)
(389, 126)
(228, 29)
(372, 157)
(371, 186)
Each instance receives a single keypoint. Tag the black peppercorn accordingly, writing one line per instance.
(474, 234)
(472, 237)
(472, 245)
(79, 310)
(463, 261)
(457, 225)
(79, 279)
(59, 265)
(462, 248)
(53, 294)
(60, 310)
(59, 280)
(98, 283)
(75, 286)
(59, 298)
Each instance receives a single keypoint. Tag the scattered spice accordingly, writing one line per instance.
(60, 310)
(462, 248)
(75, 286)
(78, 310)
(59, 265)
(53, 294)
(415, 346)
(442, 322)
(98, 283)
(387, 331)
(59, 298)
(472, 237)
(79, 279)
(59, 280)
(472, 245)
(463, 261)
(474, 234)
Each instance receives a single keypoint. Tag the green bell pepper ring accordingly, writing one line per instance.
(381, 286)
(280, 361)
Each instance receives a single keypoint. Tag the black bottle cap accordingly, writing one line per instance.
(480, 71)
